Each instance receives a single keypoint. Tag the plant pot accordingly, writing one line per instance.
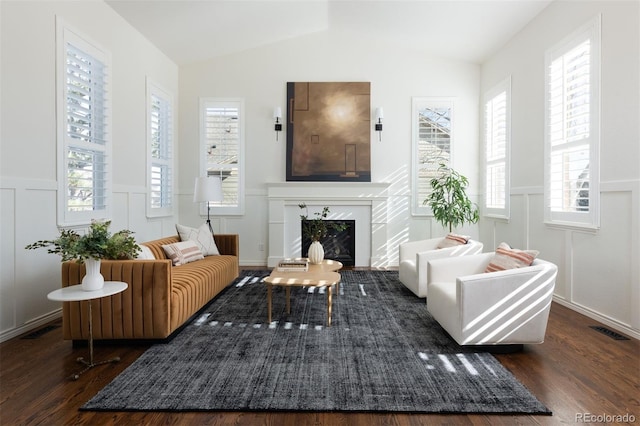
(316, 253)
(93, 279)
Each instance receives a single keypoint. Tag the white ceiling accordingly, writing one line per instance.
(194, 30)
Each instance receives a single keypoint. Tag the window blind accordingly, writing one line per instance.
(572, 128)
(221, 145)
(84, 139)
(434, 145)
(161, 152)
(569, 129)
(496, 151)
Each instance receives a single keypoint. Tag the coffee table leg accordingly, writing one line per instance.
(329, 306)
(269, 302)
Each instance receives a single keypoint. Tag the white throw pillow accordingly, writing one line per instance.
(145, 253)
(201, 236)
(183, 252)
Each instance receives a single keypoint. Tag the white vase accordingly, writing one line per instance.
(93, 279)
(316, 253)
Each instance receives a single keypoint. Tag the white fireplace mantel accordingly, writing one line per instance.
(364, 202)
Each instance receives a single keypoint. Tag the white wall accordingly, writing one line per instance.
(260, 76)
(599, 272)
(28, 184)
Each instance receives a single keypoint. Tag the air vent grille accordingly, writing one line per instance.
(608, 332)
(40, 332)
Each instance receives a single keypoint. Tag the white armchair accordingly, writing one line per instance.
(414, 256)
(509, 307)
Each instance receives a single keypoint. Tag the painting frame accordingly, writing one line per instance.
(328, 131)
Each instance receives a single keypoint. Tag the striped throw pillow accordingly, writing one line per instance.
(183, 252)
(452, 240)
(509, 258)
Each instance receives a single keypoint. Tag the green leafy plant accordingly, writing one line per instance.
(97, 243)
(317, 228)
(448, 199)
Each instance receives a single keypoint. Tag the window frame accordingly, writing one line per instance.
(577, 219)
(220, 208)
(66, 217)
(417, 103)
(495, 212)
(167, 163)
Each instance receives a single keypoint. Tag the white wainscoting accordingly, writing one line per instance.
(598, 270)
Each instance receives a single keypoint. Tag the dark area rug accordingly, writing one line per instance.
(383, 352)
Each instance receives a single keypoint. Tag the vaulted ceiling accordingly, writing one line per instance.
(194, 30)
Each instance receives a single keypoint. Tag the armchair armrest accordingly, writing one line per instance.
(409, 250)
(512, 304)
(121, 316)
(450, 268)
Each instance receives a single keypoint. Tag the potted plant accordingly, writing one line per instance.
(316, 229)
(448, 200)
(90, 248)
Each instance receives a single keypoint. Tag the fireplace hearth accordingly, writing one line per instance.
(337, 245)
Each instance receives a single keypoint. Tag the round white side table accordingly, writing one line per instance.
(75, 293)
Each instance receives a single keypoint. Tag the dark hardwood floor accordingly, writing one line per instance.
(576, 372)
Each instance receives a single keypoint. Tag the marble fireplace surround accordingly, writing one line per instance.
(364, 202)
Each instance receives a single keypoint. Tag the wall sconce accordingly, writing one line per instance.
(379, 117)
(277, 114)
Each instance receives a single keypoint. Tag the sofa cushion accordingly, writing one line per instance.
(183, 252)
(201, 236)
(506, 257)
(452, 240)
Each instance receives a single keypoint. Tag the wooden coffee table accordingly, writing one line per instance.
(321, 275)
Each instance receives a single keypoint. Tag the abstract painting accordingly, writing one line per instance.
(329, 131)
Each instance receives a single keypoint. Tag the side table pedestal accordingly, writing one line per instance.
(75, 294)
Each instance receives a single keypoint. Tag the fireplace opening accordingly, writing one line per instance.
(337, 245)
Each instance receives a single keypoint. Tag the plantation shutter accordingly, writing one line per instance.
(85, 158)
(222, 141)
(569, 130)
(496, 151)
(432, 130)
(161, 152)
(572, 129)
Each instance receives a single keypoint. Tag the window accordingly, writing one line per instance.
(160, 152)
(432, 134)
(222, 151)
(497, 135)
(572, 136)
(84, 137)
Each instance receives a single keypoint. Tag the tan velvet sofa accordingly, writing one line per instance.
(160, 297)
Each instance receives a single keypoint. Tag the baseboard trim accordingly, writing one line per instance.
(31, 325)
(623, 328)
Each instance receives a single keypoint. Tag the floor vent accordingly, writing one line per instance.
(40, 332)
(610, 333)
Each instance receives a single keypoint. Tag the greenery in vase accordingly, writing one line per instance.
(448, 199)
(317, 228)
(97, 243)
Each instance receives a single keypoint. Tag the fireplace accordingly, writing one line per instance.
(362, 202)
(337, 245)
